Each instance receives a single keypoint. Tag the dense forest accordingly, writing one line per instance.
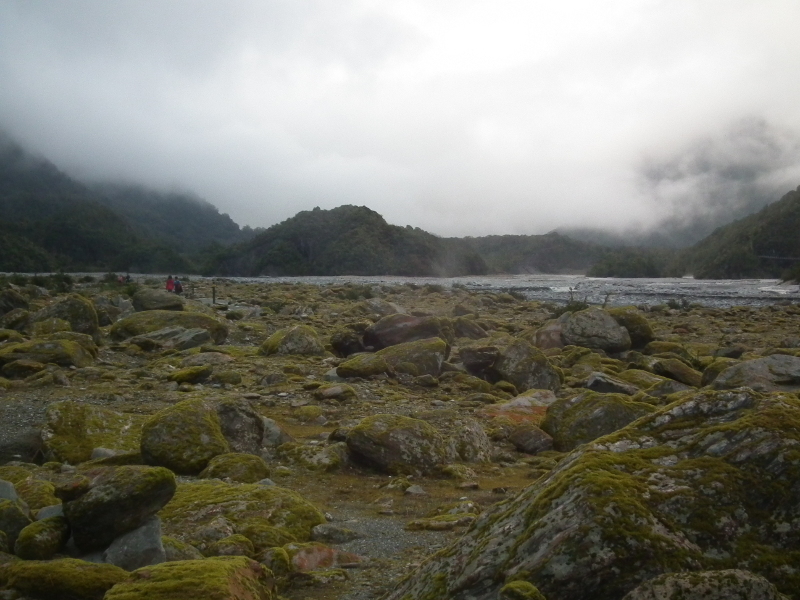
(52, 222)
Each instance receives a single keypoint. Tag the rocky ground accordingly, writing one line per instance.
(340, 435)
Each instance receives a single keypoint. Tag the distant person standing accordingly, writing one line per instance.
(170, 284)
(178, 286)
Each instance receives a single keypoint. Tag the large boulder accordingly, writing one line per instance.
(588, 416)
(67, 578)
(11, 299)
(178, 338)
(42, 540)
(14, 517)
(235, 466)
(594, 328)
(119, 500)
(400, 328)
(150, 299)
(398, 444)
(300, 339)
(728, 584)
(420, 357)
(147, 321)
(365, 364)
(241, 425)
(76, 310)
(72, 430)
(632, 319)
(772, 373)
(464, 437)
(183, 437)
(526, 367)
(64, 353)
(218, 578)
(138, 548)
(206, 511)
(703, 481)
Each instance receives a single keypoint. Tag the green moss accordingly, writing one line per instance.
(195, 504)
(64, 353)
(14, 517)
(183, 437)
(152, 320)
(41, 540)
(363, 365)
(300, 339)
(242, 468)
(233, 545)
(178, 550)
(73, 429)
(264, 536)
(308, 413)
(191, 374)
(520, 590)
(426, 356)
(37, 493)
(66, 578)
(219, 578)
(314, 458)
(15, 474)
(227, 377)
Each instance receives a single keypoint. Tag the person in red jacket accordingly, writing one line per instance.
(170, 284)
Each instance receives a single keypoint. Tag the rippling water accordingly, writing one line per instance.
(560, 288)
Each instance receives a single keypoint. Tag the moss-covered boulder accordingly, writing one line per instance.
(588, 416)
(191, 374)
(233, 545)
(204, 511)
(241, 425)
(341, 392)
(363, 365)
(152, 320)
(314, 458)
(9, 336)
(83, 340)
(520, 590)
(119, 500)
(20, 369)
(398, 444)
(175, 549)
(594, 328)
(243, 468)
(14, 517)
(727, 584)
(777, 372)
(17, 320)
(42, 540)
(78, 311)
(400, 329)
(183, 437)
(11, 299)
(678, 370)
(220, 578)
(48, 326)
(526, 367)
(703, 482)
(150, 299)
(64, 353)
(640, 378)
(632, 319)
(73, 429)
(65, 578)
(424, 357)
(37, 493)
(300, 340)
(717, 366)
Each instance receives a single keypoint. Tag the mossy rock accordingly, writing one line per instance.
(183, 437)
(277, 560)
(632, 319)
(678, 370)
(227, 377)
(5, 384)
(308, 413)
(661, 347)
(65, 578)
(14, 517)
(64, 353)
(340, 392)
(191, 374)
(197, 503)
(120, 499)
(37, 493)
(712, 371)
(78, 311)
(640, 378)
(3, 545)
(233, 545)
(174, 549)
(20, 369)
(426, 356)
(73, 429)
(264, 536)
(314, 458)
(219, 578)
(520, 590)
(153, 320)
(588, 416)
(16, 473)
(363, 365)
(297, 340)
(242, 468)
(149, 299)
(398, 444)
(526, 367)
(42, 540)
(83, 340)
(48, 326)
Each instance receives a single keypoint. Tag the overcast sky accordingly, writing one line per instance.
(461, 117)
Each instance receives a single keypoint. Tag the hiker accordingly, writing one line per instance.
(178, 286)
(170, 284)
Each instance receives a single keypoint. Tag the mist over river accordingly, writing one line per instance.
(560, 288)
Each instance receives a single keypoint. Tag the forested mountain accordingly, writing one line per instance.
(761, 245)
(49, 221)
(348, 240)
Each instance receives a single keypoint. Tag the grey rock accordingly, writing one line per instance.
(55, 510)
(241, 425)
(102, 453)
(729, 584)
(138, 548)
(333, 534)
(274, 434)
(530, 439)
(77, 311)
(149, 299)
(778, 372)
(8, 491)
(607, 384)
(415, 490)
(399, 328)
(526, 367)
(178, 338)
(594, 328)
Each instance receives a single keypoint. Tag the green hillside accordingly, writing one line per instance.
(756, 246)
